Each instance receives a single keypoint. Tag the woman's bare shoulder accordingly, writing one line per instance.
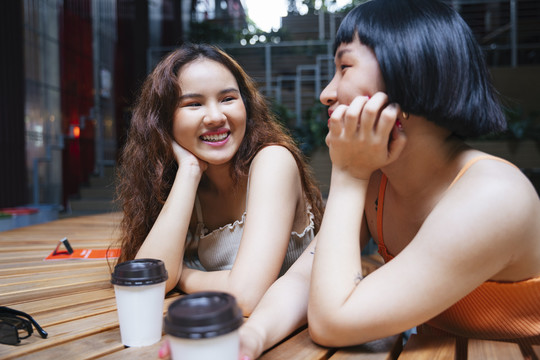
(274, 157)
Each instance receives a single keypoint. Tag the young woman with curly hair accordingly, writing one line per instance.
(210, 183)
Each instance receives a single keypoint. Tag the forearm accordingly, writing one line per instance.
(166, 239)
(337, 264)
(247, 296)
(281, 311)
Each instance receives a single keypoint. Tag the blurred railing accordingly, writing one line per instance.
(292, 73)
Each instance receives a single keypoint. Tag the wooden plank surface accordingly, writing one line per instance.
(299, 346)
(67, 334)
(429, 348)
(142, 353)
(83, 348)
(74, 302)
(536, 350)
(384, 349)
(493, 350)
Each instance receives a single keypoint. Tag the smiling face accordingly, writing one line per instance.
(357, 74)
(210, 120)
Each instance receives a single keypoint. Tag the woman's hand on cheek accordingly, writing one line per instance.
(363, 136)
(186, 159)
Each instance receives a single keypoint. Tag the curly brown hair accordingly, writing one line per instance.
(147, 163)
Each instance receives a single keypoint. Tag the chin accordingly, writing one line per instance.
(219, 162)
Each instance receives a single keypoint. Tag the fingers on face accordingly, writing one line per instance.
(365, 115)
(337, 115)
(388, 118)
(353, 114)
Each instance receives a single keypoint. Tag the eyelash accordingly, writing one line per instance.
(225, 99)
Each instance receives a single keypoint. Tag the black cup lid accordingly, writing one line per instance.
(139, 272)
(203, 315)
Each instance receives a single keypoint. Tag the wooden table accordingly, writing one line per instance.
(74, 302)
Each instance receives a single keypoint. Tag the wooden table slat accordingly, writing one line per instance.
(51, 266)
(142, 353)
(83, 348)
(428, 348)
(536, 350)
(384, 349)
(22, 280)
(14, 295)
(299, 346)
(65, 302)
(493, 350)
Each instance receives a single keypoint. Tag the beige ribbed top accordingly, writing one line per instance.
(216, 250)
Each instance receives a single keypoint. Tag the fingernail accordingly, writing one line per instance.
(399, 125)
(160, 353)
(245, 357)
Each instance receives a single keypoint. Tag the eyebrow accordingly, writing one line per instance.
(195, 95)
(342, 52)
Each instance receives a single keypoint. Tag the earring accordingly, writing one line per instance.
(405, 115)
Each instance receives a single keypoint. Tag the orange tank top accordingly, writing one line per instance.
(494, 310)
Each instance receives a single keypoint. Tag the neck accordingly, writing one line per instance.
(427, 163)
(217, 179)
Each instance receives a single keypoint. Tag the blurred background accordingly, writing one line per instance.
(70, 71)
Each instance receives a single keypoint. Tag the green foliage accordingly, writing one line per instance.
(213, 33)
(520, 126)
(282, 113)
(313, 6)
(352, 5)
(312, 134)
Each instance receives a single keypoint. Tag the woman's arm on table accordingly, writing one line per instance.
(468, 238)
(274, 192)
(167, 237)
(282, 310)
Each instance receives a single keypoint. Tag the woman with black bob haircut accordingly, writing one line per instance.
(457, 228)
(430, 61)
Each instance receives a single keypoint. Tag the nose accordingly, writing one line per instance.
(328, 95)
(214, 116)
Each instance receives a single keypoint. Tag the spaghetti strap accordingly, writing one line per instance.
(247, 187)
(382, 189)
(380, 205)
(473, 161)
(198, 210)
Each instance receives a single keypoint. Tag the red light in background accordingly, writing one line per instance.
(74, 131)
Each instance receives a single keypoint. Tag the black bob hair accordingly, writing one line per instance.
(430, 61)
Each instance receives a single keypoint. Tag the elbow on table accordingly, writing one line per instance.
(325, 329)
(169, 286)
(323, 336)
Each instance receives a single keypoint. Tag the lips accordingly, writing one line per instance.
(330, 112)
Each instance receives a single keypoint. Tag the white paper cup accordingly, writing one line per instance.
(204, 326)
(139, 287)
